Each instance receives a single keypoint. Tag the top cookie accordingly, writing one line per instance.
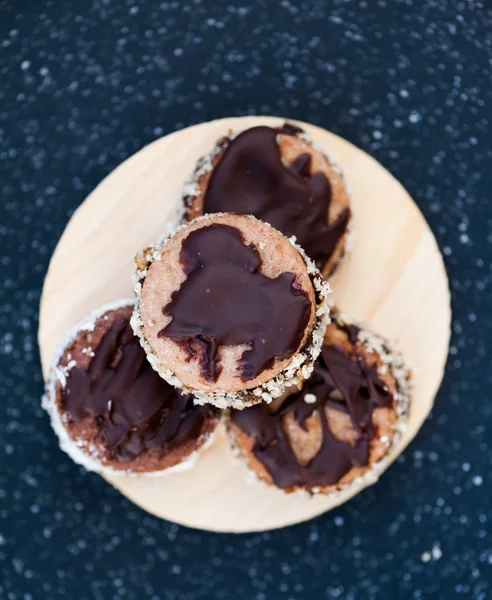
(224, 308)
(278, 176)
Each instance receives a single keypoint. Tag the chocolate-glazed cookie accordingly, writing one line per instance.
(277, 175)
(112, 411)
(229, 310)
(340, 426)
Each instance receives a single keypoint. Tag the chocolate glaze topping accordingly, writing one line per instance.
(134, 408)
(226, 300)
(361, 391)
(250, 178)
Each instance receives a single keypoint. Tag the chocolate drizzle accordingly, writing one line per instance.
(360, 391)
(226, 300)
(135, 410)
(250, 178)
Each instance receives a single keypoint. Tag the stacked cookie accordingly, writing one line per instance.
(232, 319)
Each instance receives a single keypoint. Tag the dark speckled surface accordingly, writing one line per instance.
(83, 85)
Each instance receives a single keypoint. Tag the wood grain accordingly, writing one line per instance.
(394, 279)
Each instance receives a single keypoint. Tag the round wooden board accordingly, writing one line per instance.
(394, 280)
